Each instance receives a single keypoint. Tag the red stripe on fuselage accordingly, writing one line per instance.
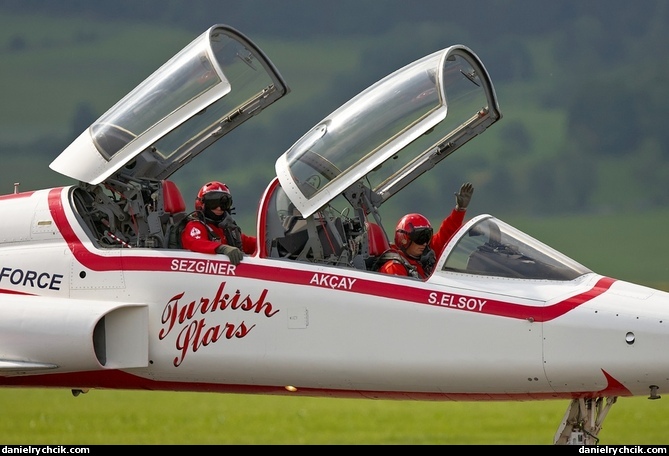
(409, 293)
(116, 379)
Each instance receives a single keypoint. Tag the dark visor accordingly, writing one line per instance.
(421, 235)
(213, 200)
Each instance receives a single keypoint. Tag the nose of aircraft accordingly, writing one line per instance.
(621, 337)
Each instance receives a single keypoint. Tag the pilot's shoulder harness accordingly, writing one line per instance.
(393, 255)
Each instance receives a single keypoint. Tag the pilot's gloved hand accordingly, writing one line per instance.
(233, 253)
(464, 196)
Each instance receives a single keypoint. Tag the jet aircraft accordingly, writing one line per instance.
(95, 294)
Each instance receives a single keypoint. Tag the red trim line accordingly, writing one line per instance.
(96, 262)
(116, 379)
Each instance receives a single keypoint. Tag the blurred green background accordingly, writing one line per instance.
(582, 87)
(580, 161)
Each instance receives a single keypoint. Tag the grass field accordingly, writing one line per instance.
(41, 416)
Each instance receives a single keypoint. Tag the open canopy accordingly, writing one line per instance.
(392, 132)
(213, 85)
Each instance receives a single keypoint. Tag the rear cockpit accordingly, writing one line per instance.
(122, 162)
(215, 84)
(134, 214)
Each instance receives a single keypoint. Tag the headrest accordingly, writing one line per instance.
(378, 242)
(173, 201)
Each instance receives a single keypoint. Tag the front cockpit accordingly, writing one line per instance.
(338, 236)
(391, 133)
(338, 175)
(334, 235)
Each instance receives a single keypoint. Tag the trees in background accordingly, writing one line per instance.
(599, 65)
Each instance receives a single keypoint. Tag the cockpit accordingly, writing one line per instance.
(124, 160)
(333, 181)
(333, 235)
(484, 246)
(323, 205)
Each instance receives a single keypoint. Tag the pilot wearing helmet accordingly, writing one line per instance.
(416, 248)
(211, 228)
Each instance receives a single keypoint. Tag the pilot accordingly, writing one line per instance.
(211, 228)
(415, 249)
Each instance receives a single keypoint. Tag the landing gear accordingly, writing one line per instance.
(583, 421)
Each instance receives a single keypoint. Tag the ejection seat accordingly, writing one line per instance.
(377, 244)
(174, 208)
